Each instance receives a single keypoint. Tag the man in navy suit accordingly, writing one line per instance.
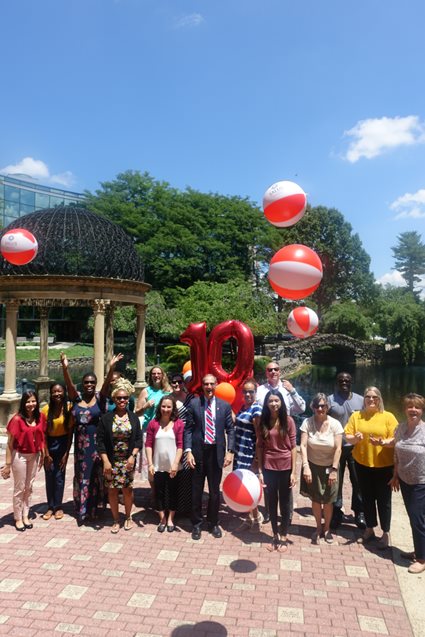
(208, 419)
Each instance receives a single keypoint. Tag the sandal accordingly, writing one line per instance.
(275, 545)
(315, 538)
(47, 515)
(115, 527)
(329, 538)
(128, 524)
(59, 514)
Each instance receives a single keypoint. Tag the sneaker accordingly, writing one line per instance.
(329, 538)
(416, 568)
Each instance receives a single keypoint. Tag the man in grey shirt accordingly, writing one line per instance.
(343, 402)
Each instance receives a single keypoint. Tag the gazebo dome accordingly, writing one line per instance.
(74, 242)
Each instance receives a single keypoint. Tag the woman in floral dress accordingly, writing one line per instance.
(119, 440)
(87, 410)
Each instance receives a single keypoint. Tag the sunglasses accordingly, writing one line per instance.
(272, 369)
(120, 398)
(89, 382)
(320, 407)
(177, 382)
(372, 397)
(248, 391)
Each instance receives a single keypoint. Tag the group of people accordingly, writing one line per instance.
(184, 440)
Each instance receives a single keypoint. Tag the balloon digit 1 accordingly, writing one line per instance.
(196, 337)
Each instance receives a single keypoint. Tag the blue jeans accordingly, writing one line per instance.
(55, 477)
(414, 501)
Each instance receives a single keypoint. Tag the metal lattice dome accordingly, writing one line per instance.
(73, 241)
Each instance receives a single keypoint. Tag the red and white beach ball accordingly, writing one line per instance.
(302, 322)
(284, 203)
(242, 490)
(19, 246)
(295, 272)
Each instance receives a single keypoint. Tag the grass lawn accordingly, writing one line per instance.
(27, 354)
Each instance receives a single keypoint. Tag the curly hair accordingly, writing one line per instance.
(122, 384)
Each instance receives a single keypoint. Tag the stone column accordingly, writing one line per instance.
(99, 340)
(42, 383)
(10, 353)
(9, 399)
(140, 348)
(109, 346)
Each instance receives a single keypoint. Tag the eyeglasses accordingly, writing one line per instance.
(120, 398)
(371, 397)
(89, 382)
(248, 391)
(272, 369)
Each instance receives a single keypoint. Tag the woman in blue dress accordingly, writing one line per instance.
(246, 426)
(88, 483)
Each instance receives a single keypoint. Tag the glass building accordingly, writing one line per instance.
(20, 195)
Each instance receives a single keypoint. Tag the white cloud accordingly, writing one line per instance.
(392, 278)
(372, 137)
(38, 169)
(410, 205)
(189, 21)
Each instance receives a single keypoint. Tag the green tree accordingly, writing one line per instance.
(189, 236)
(346, 318)
(161, 320)
(346, 264)
(218, 302)
(409, 257)
(401, 320)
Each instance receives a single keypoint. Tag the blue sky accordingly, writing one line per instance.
(225, 96)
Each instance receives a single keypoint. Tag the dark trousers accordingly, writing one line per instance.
(414, 501)
(55, 477)
(348, 461)
(279, 490)
(376, 493)
(165, 491)
(206, 467)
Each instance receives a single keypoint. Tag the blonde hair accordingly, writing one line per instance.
(122, 384)
(379, 395)
(414, 400)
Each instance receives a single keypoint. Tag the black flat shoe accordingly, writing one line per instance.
(216, 531)
(21, 529)
(196, 534)
(28, 526)
(171, 528)
(360, 521)
(161, 528)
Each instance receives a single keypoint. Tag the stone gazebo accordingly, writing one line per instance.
(83, 260)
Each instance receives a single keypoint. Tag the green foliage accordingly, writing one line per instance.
(346, 318)
(409, 257)
(176, 356)
(218, 302)
(346, 273)
(125, 319)
(402, 322)
(189, 236)
(260, 364)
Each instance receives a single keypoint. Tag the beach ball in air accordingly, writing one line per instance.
(284, 203)
(295, 272)
(302, 322)
(19, 246)
(242, 490)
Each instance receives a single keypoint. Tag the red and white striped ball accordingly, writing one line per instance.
(242, 490)
(295, 272)
(284, 203)
(19, 246)
(303, 322)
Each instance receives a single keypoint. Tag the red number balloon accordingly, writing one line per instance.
(207, 357)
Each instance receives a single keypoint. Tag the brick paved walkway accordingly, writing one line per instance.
(61, 579)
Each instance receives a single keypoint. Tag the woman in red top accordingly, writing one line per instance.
(277, 457)
(25, 451)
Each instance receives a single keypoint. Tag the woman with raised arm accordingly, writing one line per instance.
(60, 427)
(25, 451)
(87, 410)
(119, 439)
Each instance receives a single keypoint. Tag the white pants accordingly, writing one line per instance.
(24, 468)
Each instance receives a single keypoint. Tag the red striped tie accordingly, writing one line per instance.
(209, 425)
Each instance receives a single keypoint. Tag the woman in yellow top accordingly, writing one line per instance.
(371, 431)
(60, 425)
